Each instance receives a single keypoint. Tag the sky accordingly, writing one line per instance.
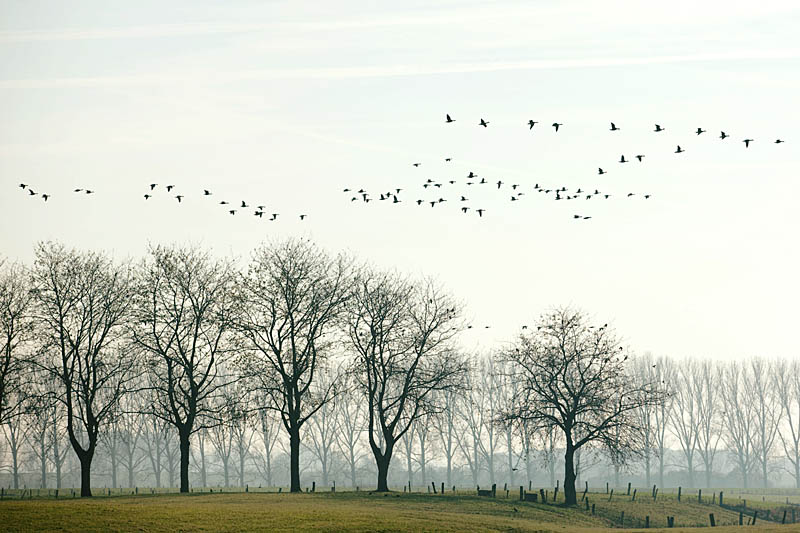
(287, 103)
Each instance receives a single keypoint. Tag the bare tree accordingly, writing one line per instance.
(266, 427)
(665, 376)
(706, 381)
(351, 423)
(82, 302)
(574, 377)
(786, 376)
(645, 369)
(16, 331)
(739, 419)
(684, 415)
(445, 426)
(294, 294)
(768, 413)
(322, 427)
(185, 305)
(401, 333)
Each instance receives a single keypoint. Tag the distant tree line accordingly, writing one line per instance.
(187, 369)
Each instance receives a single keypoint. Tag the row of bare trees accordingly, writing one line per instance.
(183, 363)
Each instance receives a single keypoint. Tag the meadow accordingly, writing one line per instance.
(366, 511)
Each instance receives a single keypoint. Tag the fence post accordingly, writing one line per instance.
(494, 490)
(530, 484)
(313, 486)
(585, 490)
(442, 487)
(784, 517)
(587, 503)
(741, 518)
(541, 493)
(647, 521)
(622, 519)
(521, 493)
(433, 483)
(629, 489)
(711, 519)
(755, 515)
(679, 494)
(654, 492)
(720, 498)
(592, 509)
(670, 521)
(610, 494)
(633, 499)
(699, 495)
(606, 487)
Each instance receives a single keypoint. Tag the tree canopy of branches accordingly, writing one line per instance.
(185, 304)
(294, 294)
(401, 335)
(574, 377)
(82, 303)
(16, 329)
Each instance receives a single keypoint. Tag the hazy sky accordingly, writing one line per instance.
(287, 103)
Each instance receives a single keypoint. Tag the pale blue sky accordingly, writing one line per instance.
(286, 103)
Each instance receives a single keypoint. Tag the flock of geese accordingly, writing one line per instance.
(514, 191)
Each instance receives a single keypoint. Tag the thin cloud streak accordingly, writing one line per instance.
(384, 71)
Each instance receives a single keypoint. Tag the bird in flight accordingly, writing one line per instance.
(480, 212)
(723, 135)
(31, 192)
(499, 183)
(622, 159)
(146, 196)
(45, 197)
(303, 217)
(448, 159)
(483, 123)
(640, 157)
(223, 202)
(601, 171)
(679, 150)
(779, 141)
(259, 214)
(206, 192)
(153, 186)
(472, 175)
(274, 216)
(699, 131)
(89, 192)
(244, 204)
(232, 211)
(614, 127)
(747, 142)
(179, 198)
(416, 164)
(449, 120)
(169, 187)
(557, 125)
(531, 123)
(658, 128)
(464, 209)
(22, 185)
(77, 190)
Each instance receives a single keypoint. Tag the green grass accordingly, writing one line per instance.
(350, 511)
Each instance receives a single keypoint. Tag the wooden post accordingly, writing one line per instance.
(741, 518)
(679, 494)
(585, 490)
(622, 519)
(409, 486)
(442, 487)
(433, 483)
(592, 509)
(555, 494)
(587, 504)
(313, 486)
(494, 490)
(633, 499)
(783, 521)
(505, 486)
(744, 503)
(755, 515)
(793, 515)
(711, 519)
(654, 492)
(247, 488)
(521, 493)
(670, 521)
(404, 489)
(542, 494)
(699, 495)
(56, 494)
(606, 487)
(629, 489)
(454, 489)
(610, 494)
(530, 484)
(647, 521)
(720, 498)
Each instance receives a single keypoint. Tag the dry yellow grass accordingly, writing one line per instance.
(329, 512)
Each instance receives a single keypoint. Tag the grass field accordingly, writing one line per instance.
(360, 511)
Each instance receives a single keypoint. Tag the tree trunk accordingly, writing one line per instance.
(383, 472)
(184, 445)
(294, 452)
(86, 474)
(570, 497)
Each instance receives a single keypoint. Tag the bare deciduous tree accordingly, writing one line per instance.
(82, 302)
(294, 294)
(574, 377)
(183, 322)
(787, 385)
(16, 330)
(401, 333)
